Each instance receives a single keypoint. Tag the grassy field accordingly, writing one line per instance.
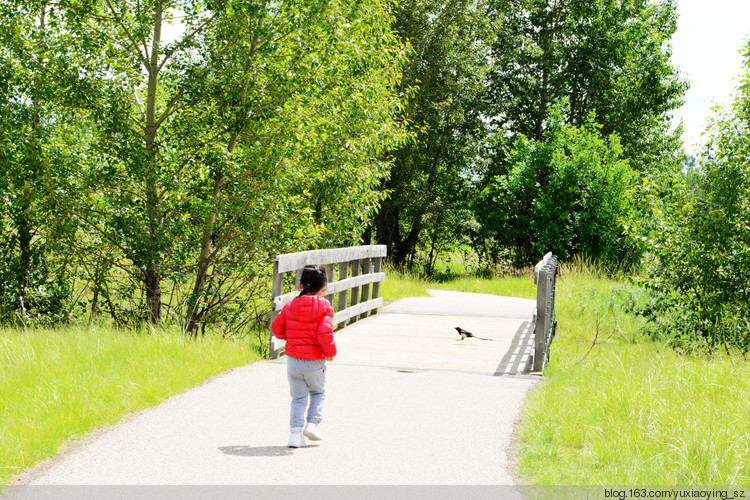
(619, 409)
(398, 285)
(61, 384)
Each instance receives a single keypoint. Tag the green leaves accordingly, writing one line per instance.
(443, 85)
(607, 56)
(186, 158)
(566, 193)
(698, 240)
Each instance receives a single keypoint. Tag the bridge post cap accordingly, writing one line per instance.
(547, 260)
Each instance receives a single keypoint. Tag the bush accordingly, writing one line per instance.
(565, 194)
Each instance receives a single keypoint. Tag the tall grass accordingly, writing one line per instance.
(621, 409)
(63, 383)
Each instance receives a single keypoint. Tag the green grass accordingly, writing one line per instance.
(515, 286)
(621, 409)
(64, 383)
(402, 283)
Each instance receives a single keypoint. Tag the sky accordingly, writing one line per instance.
(705, 48)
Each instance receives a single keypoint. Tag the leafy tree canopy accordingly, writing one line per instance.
(566, 192)
(697, 238)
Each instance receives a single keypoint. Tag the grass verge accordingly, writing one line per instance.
(64, 383)
(621, 409)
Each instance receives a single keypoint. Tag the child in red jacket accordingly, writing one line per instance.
(306, 323)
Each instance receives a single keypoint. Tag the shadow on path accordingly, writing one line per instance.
(256, 451)
(518, 357)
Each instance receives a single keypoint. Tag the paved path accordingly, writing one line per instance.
(407, 404)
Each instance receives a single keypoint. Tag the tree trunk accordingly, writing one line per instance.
(24, 247)
(151, 276)
(407, 246)
(152, 282)
(387, 226)
(204, 259)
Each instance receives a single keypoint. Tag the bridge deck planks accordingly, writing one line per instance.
(408, 338)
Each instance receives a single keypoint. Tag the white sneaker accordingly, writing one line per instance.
(312, 431)
(296, 440)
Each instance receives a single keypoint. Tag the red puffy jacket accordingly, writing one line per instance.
(306, 323)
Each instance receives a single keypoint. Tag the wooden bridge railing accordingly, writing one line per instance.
(545, 279)
(354, 296)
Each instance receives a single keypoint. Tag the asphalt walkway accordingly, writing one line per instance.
(408, 404)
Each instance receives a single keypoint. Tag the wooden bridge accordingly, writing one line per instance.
(419, 332)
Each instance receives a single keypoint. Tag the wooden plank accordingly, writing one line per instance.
(278, 302)
(335, 287)
(343, 276)
(356, 310)
(293, 261)
(277, 287)
(365, 295)
(355, 281)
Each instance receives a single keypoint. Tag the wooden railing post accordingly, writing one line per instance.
(545, 274)
(330, 274)
(355, 290)
(344, 294)
(541, 322)
(277, 288)
(365, 294)
(377, 265)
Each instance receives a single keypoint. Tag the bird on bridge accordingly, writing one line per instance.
(466, 333)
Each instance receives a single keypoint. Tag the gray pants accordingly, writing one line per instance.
(306, 377)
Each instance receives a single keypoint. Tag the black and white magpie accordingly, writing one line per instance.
(466, 333)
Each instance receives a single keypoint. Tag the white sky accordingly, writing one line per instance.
(705, 48)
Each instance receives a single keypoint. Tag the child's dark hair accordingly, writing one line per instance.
(313, 279)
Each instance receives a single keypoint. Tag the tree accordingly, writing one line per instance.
(225, 146)
(34, 279)
(697, 239)
(566, 192)
(609, 61)
(607, 56)
(328, 109)
(443, 81)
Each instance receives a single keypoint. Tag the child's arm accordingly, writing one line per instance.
(325, 335)
(278, 326)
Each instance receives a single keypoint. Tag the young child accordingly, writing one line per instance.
(306, 323)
